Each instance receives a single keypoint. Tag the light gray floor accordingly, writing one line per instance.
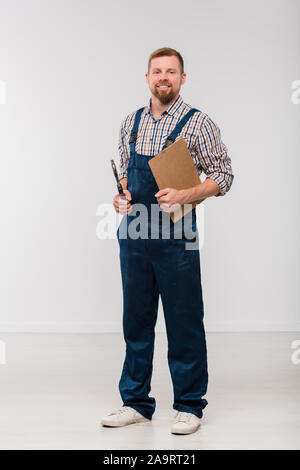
(55, 388)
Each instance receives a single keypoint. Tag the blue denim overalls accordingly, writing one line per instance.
(153, 266)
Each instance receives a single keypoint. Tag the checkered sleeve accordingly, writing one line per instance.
(213, 155)
(123, 151)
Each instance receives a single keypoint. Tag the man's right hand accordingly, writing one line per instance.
(123, 206)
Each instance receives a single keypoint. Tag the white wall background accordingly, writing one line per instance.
(73, 69)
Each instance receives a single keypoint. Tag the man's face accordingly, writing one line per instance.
(165, 78)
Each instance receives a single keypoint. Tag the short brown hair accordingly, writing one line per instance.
(163, 51)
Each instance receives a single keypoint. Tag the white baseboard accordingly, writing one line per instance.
(116, 327)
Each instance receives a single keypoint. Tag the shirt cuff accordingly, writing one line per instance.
(218, 178)
(122, 174)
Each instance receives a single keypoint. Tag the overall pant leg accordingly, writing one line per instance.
(140, 301)
(178, 275)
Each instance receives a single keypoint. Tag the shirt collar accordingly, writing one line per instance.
(172, 109)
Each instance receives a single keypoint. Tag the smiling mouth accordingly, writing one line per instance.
(163, 87)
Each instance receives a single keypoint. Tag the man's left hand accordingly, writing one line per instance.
(171, 199)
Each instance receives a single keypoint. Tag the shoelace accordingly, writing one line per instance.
(183, 416)
(121, 410)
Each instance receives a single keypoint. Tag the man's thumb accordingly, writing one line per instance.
(127, 194)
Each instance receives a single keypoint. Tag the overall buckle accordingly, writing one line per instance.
(132, 137)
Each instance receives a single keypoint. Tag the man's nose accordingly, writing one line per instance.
(164, 76)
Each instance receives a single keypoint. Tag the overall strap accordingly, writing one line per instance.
(133, 135)
(179, 127)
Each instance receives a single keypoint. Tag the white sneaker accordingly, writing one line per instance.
(185, 423)
(123, 416)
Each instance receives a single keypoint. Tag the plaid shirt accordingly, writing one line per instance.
(201, 134)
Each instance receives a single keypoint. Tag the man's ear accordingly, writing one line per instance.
(147, 77)
(183, 78)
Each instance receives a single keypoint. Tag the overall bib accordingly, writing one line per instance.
(153, 266)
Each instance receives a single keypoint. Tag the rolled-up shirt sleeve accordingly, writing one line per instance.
(124, 151)
(213, 156)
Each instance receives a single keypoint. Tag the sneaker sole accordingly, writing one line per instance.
(115, 425)
(185, 432)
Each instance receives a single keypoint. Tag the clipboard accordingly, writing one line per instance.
(174, 168)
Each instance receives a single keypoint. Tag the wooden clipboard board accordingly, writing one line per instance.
(174, 168)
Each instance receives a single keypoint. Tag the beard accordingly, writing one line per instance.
(165, 96)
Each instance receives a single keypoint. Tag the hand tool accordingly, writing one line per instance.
(120, 189)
